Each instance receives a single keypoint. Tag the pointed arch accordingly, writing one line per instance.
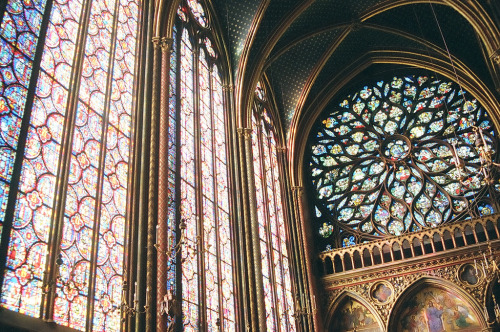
(339, 304)
(492, 298)
(469, 81)
(200, 213)
(436, 297)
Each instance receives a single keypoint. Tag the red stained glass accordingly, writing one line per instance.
(276, 274)
(201, 124)
(98, 153)
(19, 32)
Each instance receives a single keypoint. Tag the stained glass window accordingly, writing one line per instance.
(273, 241)
(66, 247)
(400, 155)
(200, 179)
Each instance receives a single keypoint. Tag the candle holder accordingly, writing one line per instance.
(490, 271)
(172, 251)
(70, 283)
(485, 154)
(303, 311)
(125, 308)
(170, 307)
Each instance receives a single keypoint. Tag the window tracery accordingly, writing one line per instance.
(67, 224)
(398, 156)
(197, 130)
(278, 296)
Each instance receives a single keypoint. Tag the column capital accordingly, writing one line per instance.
(228, 87)
(246, 132)
(166, 43)
(298, 189)
(156, 41)
(281, 149)
(495, 56)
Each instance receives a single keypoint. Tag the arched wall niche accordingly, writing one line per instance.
(493, 289)
(351, 310)
(433, 304)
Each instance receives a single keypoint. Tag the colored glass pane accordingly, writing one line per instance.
(111, 245)
(388, 159)
(259, 91)
(207, 176)
(275, 265)
(19, 33)
(265, 254)
(94, 199)
(198, 12)
(190, 294)
(39, 172)
(210, 49)
(172, 149)
(202, 180)
(222, 192)
(84, 174)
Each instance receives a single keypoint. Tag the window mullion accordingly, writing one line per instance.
(102, 159)
(264, 142)
(13, 186)
(52, 271)
(199, 242)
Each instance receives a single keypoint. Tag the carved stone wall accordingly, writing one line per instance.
(469, 271)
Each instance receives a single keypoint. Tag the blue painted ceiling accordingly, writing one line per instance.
(316, 40)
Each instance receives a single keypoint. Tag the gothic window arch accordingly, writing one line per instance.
(278, 298)
(67, 114)
(400, 155)
(198, 181)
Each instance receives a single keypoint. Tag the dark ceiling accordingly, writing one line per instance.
(303, 46)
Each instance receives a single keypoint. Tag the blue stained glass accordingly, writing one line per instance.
(16, 98)
(8, 28)
(18, 39)
(408, 142)
(4, 195)
(10, 127)
(33, 219)
(348, 241)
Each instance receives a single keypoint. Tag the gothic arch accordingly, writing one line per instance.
(165, 17)
(475, 15)
(341, 299)
(466, 76)
(418, 288)
(492, 288)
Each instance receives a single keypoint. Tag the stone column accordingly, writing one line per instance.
(162, 229)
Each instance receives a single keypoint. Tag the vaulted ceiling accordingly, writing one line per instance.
(305, 48)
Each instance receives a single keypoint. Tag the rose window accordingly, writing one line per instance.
(399, 156)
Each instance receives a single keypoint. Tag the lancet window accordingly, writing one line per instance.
(67, 115)
(199, 180)
(279, 301)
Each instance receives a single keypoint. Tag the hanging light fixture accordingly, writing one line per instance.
(489, 266)
(485, 153)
